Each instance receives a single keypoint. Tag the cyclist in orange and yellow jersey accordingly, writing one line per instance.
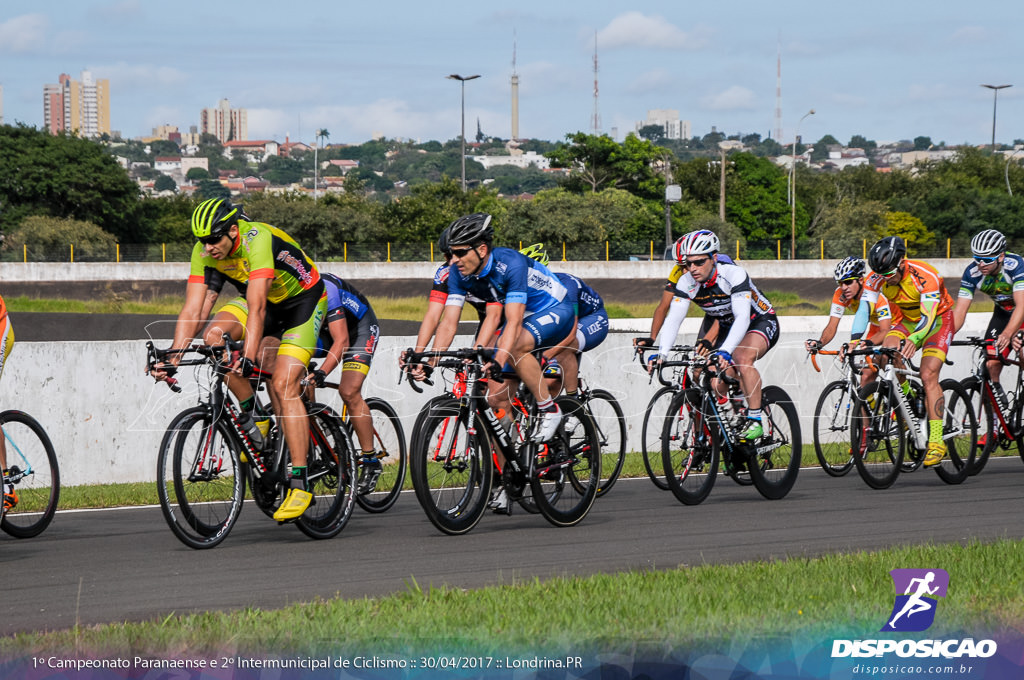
(849, 276)
(6, 345)
(917, 289)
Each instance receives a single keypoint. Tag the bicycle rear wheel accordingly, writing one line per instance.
(650, 435)
(390, 444)
(32, 469)
(775, 458)
(565, 472)
(451, 469)
(989, 426)
(959, 432)
(832, 416)
(877, 437)
(199, 479)
(611, 431)
(331, 470)
(689, 449)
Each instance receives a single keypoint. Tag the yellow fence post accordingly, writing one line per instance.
(431, 251)
(118, 251)
(72, 252)
(652, 251)
(865, 249)
(163, 252)
(563, 251)
(823, 249)
(389, 251)
(737, 249)
(345, 249)
(947, 248)
(520, 245)
(24, 252)
(778, 247)
(607, 256)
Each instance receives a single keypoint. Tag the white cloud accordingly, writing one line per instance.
(731, 99)
(127, 76)
(634, 29)
(23, 34)
(657, 80)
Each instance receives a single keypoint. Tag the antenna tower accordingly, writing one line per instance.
(778, 93)
(596, 122)
(515, 91)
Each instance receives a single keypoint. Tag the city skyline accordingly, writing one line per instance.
(886, 72)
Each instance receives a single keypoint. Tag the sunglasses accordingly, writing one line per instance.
(211, 240)
(894, 272)
(696, 262)
(848, 282)
(985, 260)
(460, 252)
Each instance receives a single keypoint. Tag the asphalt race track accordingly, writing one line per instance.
(109, 566)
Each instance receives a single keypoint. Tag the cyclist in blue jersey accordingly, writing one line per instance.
(589, 329)
(1000, 275)
(538, 313)
(349, 337)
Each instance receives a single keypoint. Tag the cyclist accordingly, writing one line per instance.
(349, 338)
(284, 298)
(590, 326)
(489, 313)
(6, 345)
(670, 292)
(927, 322)
(1001, 275)
(537, 310)
(747, 325)
(849, 276)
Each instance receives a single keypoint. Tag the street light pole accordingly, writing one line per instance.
(462, 80)
(995, 98)
(792, 188)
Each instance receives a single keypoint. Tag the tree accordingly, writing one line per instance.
(653, 133)
(282, 171)
(211, 188)
(196, 174)
(922, 143)
(820, 152)
(47, 236)
(861, 142)
(164, 183)
(596, 162)
(163, 147)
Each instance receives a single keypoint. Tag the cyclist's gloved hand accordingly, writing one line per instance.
(319, 378)
(652, 361)
(703, 346)
(724, 358)
(247, 366)
(643, 342)
(812, 345)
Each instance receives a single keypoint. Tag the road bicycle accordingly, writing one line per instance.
(610, 423)
(703, 428)
(658, 408)
(453, 465)
(206, 458)
(33, 471)
(890, 427)
(390, 448)
(833, 415)
(999, 424)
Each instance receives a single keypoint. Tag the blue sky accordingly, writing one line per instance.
(888, 70)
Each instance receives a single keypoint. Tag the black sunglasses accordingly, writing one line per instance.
(460, 252)
(211, 240)
(696, 262)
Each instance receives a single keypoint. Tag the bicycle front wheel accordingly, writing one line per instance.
(392, 454)
(565, 472)
(775, 458)
(959, 432)
(877, 436)
(199, 479)
(451, 469)
(611, 431)
(990, 428)
(32, 469)
(689, 449)
(331, 470)
(832, 416)
(650, 435)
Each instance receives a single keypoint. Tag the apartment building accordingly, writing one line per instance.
(225, 123)
(79, 106)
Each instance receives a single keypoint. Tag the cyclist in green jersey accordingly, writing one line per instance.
(283, 298)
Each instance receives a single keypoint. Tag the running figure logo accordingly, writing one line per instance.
(916, 590)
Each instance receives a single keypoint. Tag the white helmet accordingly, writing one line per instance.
(700, 242)
(988, 243)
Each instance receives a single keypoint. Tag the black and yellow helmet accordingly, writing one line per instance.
(214, 217)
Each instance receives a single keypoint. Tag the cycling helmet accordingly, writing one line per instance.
(442, 242)
(988, 243)
(850, 268)
(471, 229)
(887, 254)
(536, 252)
(700, 242)
(214, 217)
(678, 249)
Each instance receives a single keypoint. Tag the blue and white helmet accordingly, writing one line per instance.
(988, 243)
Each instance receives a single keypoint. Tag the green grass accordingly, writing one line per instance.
(651, 612)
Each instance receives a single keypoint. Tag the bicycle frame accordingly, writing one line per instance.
(985, 352)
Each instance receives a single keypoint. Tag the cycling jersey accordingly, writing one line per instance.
(439, 292)
(878, 311)
(262, 252)
(345, 303)
(1000, 285)
(920, 296)
(508, 276)
(591, 317)
(6, 335)
(678, 271)
(585, 298)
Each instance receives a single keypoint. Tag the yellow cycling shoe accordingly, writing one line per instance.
(936, 453)
(295, 503)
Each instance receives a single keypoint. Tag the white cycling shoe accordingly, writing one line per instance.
(548, 425)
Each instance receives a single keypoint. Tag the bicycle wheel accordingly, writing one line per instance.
(832, 416)
(451, 469)
(650, 435)
(877, 436)
(775, 458)
(32, 469)
(611, 431)
(566, 471)
(331, 469)
(199, 480)
(959, 432)
(689, 449)
(392, 454)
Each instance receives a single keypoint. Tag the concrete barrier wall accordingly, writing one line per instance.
(178, 271)
(106, 417)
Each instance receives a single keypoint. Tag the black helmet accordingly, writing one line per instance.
(470, 230)
(442, 241)
(887, 254)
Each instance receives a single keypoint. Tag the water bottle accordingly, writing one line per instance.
(725, 410)
(248, 425)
